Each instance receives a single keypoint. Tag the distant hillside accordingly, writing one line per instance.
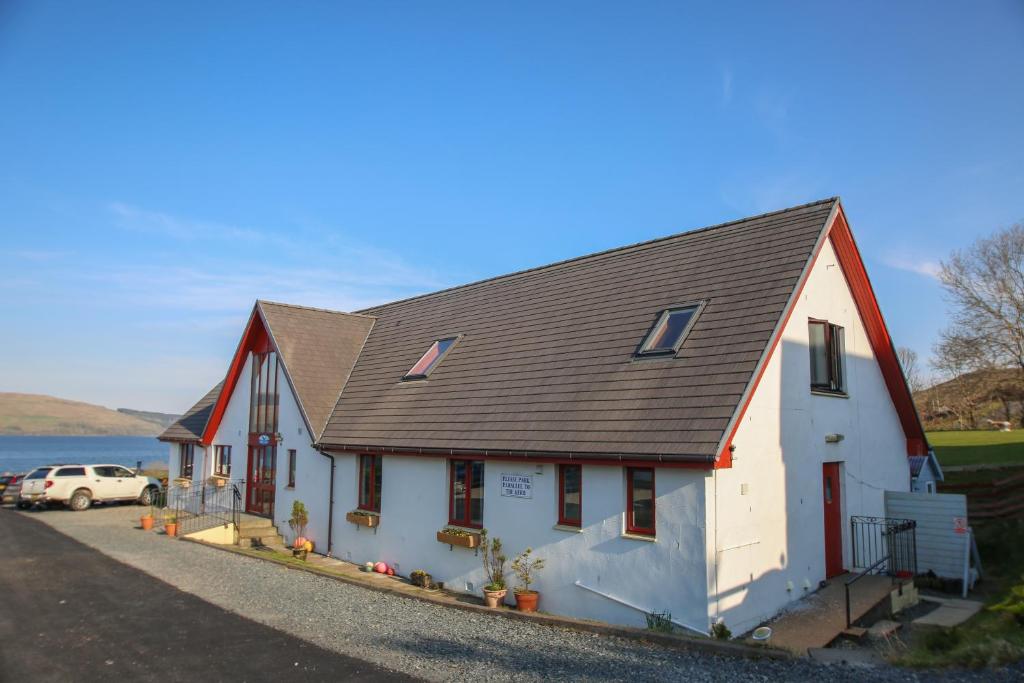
(165, 420)
(972, 399)
(36, 414)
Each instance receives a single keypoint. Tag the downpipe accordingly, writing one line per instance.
(330, 506)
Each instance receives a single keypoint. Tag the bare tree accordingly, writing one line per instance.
(908, 360)
(985, 286)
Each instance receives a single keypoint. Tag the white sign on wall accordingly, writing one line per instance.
(517, 485)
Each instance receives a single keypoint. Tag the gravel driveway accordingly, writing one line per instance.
(421, 639)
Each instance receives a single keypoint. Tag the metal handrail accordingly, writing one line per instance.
(849, 621)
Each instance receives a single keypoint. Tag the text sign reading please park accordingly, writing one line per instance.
(517, 485)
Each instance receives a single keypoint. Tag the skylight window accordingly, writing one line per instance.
(426, 364)
(668, 332)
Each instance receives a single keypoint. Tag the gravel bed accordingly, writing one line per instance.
(425, 640)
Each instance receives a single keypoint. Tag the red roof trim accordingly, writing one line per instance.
(852, 266)
(254, 338)
(878, 334)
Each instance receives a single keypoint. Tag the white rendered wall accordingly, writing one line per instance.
(312, 472)
(774, 532)
(665, 575)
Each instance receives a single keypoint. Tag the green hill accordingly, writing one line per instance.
(39, 415)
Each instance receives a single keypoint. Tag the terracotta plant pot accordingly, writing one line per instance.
(526, 601)
(147, 523)
(171, 528)
(495, 598)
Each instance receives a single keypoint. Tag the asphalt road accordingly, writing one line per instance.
(68, 612)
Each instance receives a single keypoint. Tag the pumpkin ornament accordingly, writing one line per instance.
(380, 568)
(300, 543)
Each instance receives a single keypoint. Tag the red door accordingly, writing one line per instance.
(832, 497)
(259, 498)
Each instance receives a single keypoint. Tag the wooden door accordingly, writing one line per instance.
(832, 498)
(259, 499)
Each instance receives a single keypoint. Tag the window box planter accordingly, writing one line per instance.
(465, 539)
(363, 519)
(183, 482)
(218, 481)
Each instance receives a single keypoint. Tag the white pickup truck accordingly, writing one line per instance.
(78, 486)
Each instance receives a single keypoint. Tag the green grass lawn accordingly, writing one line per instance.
(978, 447)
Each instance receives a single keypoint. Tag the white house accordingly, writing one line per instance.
(684, 425)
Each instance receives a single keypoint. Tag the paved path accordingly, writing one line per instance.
(72, 613)
(422, 639)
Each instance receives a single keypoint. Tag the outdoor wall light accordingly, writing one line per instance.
(833, 438)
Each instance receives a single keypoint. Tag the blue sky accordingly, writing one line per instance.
(165, 164)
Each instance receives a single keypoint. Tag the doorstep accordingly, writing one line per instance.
(347, 572)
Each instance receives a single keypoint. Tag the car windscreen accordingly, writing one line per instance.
(39, 474)
(70, 472)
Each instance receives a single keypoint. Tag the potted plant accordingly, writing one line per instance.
(525, 567)
(420, 578)
(298, 522)
(453, 535)
(494, 566)
(147, 521)
(171, 524)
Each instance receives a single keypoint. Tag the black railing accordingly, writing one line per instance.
(204, 506)
(882, 545)
(877, 538)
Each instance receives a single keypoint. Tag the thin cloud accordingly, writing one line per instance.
(926, 268)
(137, 219)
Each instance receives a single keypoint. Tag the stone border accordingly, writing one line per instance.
(708, 645)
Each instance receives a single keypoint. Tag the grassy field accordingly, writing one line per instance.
(990, 638)
(978, 447)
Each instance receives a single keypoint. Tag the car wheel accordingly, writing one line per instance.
(147, 496)
(24, 506)
(80, 500)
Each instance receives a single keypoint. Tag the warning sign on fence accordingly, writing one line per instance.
(960, 525)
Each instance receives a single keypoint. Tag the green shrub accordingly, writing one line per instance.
(942, 639)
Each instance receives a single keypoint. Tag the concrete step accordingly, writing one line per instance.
(257, 531)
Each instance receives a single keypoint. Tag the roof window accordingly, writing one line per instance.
(669, 331)
(426, 364)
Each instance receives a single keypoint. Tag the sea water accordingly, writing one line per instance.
(22, 453)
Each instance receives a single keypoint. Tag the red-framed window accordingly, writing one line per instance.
(186, 459)
(826, 344)
(466, 493)
(570, 495)
(222, 461)
(640, 500)
(370, 481)
(292, 464)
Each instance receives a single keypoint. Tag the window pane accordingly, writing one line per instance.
(364, 480)
(836, 352)
(643, 498)
(430, 358)
(476, 498)
(819, 354)
(377, 480)
(458, 508)
(571, 509)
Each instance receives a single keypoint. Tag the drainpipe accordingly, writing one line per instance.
(330, 507)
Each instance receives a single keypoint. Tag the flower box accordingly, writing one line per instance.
(182, 482)
(469, 540)
(369, 521)
(218, 481)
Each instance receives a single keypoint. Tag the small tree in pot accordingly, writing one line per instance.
(494, 566)
(526, 566)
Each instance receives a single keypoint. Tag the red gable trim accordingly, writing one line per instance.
(852, 266)
(878, 334)
(255, 338)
